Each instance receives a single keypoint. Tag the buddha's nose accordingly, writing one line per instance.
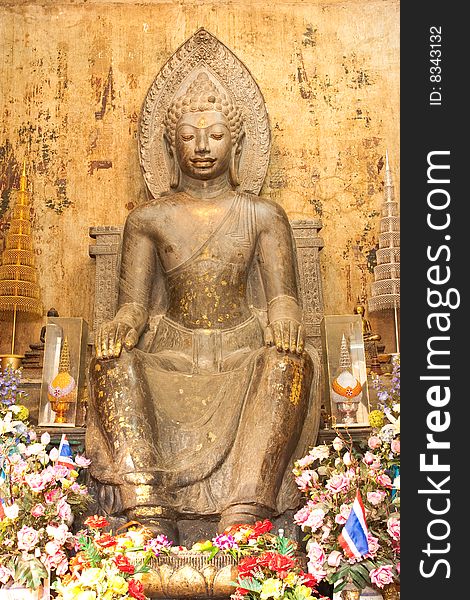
(202, 142)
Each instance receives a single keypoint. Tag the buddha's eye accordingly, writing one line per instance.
(217, 136)
(187, 137)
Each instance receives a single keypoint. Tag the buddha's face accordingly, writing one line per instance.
(203, 144)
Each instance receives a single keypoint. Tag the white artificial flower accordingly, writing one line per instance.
(320, 452)
(11, 512)
(45, 438)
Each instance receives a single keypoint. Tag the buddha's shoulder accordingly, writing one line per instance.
(265, 207)
(155, 209)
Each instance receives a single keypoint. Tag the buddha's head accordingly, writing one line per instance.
(204, 133)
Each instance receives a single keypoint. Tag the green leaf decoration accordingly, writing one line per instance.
(91, 552)
(284, 546)
(212, 552)
(30, 573)
(250, 584)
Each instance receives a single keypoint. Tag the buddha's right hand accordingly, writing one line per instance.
(112, 337)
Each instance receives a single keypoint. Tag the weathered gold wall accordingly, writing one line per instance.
(73, 77)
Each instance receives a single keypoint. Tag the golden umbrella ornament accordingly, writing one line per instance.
(19, 288)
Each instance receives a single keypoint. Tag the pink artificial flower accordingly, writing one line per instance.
(302, 514)
(316, 571)
(52, 548)
(374, 544)
(334, 558)
(60, 534)
(305, 480)
(326, 532)
(314, 519)
(38, 510)
(306, 461)
(398, 568)
(395, 446)
(158, 543)
(374, 442)
(382, 576)
(54, 561)
(36, 481)
(28, 537)
(384, 480)
(338, 483)
(315, 553)
(369, 458)
(82, 461)
(5, 574)
(376, 497)
(52, 496)
(343, 514)
(63, 510)
(393, 527)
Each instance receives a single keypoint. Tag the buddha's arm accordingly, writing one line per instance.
(278, 269)
(137, 269)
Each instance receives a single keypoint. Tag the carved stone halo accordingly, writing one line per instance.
(204, 53)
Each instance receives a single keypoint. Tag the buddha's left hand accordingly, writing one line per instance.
(286, 334)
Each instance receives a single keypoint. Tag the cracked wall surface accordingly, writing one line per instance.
(73, 78)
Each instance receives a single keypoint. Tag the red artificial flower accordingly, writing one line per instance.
(260, 527)
(96, 522)
(279, 563)
(136, 589)
(123, 564)
(106, 541)
(308, 579)
(247, 566)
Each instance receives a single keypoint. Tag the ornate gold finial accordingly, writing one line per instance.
(23, 178)
(64, 362)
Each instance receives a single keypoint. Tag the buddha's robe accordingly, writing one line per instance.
(205, 416)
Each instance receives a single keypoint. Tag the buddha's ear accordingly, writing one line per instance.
(235, 160)
(240, 143)
(174, 166)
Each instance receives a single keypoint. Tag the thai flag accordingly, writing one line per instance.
(353, 538)
(65, 453)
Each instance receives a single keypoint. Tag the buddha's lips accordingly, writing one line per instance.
(203, 162)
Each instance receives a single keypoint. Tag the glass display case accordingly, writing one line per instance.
(346, 391)
(63, 375)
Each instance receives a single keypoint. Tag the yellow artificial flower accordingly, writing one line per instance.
(290, 579)
(376, 419)
(90, 577)
(303, 590)
(73, 473)
(271, 589)
(71, 591)
(87, 595)
(23, 413)
(117, 584)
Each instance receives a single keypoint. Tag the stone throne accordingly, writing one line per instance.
(204, 52)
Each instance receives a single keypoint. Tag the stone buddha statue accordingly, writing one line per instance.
(202, 420)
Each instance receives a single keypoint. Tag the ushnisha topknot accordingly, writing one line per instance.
(202, 95)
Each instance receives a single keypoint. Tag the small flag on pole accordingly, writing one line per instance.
(65, 453)
(353, 538)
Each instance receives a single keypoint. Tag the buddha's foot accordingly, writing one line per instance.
(158, 525)
(242, 514)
